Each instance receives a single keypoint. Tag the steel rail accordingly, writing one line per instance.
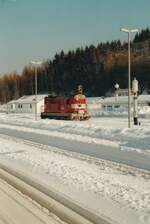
(61, 206)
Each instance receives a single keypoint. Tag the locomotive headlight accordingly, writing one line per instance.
(81, 111)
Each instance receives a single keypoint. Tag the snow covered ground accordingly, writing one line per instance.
(101, 130)
(112, 189)
(101, 186)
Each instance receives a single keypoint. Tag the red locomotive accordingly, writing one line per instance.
(70, 108)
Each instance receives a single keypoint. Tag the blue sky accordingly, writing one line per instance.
(31, 29)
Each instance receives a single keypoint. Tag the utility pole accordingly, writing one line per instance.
(129, 71)
(36, 64)
(36, 93)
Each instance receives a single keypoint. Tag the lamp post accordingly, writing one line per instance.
(36, 63)
(129, 70)
(116, 91)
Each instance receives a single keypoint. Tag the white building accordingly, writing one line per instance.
(94, 105)
(119, 105)
(143, 100)
(26, 104)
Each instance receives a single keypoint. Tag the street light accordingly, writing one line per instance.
(129, 71)
(116, 91)
(36, 64)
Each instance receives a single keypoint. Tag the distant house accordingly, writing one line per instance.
(123, 92)
(120, 92)
(94, 105)
(122, 101)
(26, 104)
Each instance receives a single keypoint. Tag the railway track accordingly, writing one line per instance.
(67, 210)
(16, 208)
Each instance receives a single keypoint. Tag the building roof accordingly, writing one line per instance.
(142, 99)
(93, 100)
(28, 99)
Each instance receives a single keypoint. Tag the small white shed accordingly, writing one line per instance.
(26, 104)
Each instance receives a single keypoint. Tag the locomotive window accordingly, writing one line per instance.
(68, 101)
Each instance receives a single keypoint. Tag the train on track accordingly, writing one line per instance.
(66, 107)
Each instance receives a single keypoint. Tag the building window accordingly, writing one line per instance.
(30, 106)
(19, 105)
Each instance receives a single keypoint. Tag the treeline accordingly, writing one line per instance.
(143, 35)
(97, 68)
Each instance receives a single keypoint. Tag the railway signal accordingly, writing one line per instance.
(135, 101)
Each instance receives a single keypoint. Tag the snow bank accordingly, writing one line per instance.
(103, 131)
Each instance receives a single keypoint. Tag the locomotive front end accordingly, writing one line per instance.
(79, 109)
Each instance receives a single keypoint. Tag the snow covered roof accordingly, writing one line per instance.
(142, 99)
(11, 102)
(92, 100)
(28, 99)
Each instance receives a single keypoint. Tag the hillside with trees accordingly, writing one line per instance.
(97, 68)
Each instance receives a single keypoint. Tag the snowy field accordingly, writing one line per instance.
(111, 189)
